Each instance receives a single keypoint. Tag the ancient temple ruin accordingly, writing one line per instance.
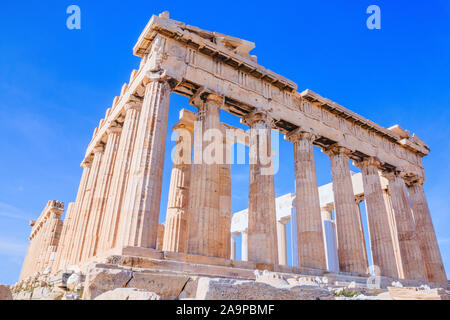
(116, 211)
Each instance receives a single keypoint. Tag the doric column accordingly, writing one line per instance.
(413, 267)
(72, 245)
(225, 210)
(358, 200)
(378, 220)
(244, 246)
(294, 240)
(28, 256)
(311, 248)
(426, 236)
(102, 190)
(86, 205)
(262, 221)
(175, 234)
(65, 240)
(394, 235)
(204, 199)
(233, 246)
(160, 237)
(350, 241)
(55, 234)
(113, 212)
(144, 185)
(281, 241)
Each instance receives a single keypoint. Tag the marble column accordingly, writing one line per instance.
(393, 230)
(311, 247)
(102, 189)
(329, 233)
(65, 240)
(55, 236)
(204, 199)
(160, 237)
(426, 236)
(225, 210)
(28, 256)
(358, 200)
(113, 213)
(244, 246)
(143, 195)
(349, 238)
(381, 244)
(262, 220)
(413, 266)
(175, 234)
(281, 241)
(233, 246)
(294, 240)
(86, 205)
(72, 245)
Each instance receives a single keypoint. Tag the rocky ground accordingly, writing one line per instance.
(123, 284)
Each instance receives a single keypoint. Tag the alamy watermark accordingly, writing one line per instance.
(374, 20)
(226, 147)
(73, 21)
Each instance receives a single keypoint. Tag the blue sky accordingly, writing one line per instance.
(56, 84)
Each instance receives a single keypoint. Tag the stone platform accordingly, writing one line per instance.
(168, 274)
(151, 273)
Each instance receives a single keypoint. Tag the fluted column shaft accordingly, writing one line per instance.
(244, 246)
(394, 235)
(262, 221)
(225, 209)
(175, 232)
(233, 246)
(311, 247)
(76, 227)
(65, 240)
(85, 206)
(378, 220)
(281, 241)
(204, 201)
(350, 241)
(143, 196)
(55, 236)
(426, 236)
(102, 190)
(113, 213)
(413, 267)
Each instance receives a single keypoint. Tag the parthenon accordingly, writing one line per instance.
(117, 207)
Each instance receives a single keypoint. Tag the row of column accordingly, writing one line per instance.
(44, 240)
(119, 197)
(118, 201)
(262, 225)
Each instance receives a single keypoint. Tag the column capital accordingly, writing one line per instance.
(133, 105)
(336, 149)
(100, 148)
(299, 134)
(114, 128)
(183, 126)
(368, 161)
(206, 95)
(392, 174)
(257, 116)
(214, 98)
(414, 181)
(87, 163)
(151, 77)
